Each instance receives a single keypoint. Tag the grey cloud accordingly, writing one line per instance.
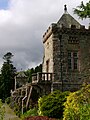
(23, 25)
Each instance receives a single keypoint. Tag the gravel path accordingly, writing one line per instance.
(9, 114)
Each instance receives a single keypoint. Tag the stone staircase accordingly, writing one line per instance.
(41, 84)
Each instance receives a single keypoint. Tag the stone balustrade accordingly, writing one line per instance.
(42, 77)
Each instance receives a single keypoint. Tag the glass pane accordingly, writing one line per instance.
(69, 54)
(75, 54)
(75, 63)
(69, 64)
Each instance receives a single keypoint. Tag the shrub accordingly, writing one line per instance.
(2, 110)
(52, 104)
(17, 109)
(77, 106)
(85, 112)
(8, 100)
(31, 112)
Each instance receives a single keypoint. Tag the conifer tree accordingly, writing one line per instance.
(7, 76)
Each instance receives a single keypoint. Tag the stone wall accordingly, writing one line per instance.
(48, 52)
(56, 50)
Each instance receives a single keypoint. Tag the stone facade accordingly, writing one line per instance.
(66, 63)
(67, 53)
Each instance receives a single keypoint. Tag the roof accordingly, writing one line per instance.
(67, 20)
(21, 74)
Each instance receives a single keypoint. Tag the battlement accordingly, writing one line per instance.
(49, 32)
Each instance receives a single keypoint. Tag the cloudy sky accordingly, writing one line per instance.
(22, 25)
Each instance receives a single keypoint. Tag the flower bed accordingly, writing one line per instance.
(39, 118)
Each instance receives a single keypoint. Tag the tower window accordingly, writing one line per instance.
(47, 66)
(73, 40)
(69, 60)
(72, 60)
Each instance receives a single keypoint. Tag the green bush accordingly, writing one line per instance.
(77, 106)
(84, 112)
(8, 100)
(17, 109)
(52, 104)
(2, 110)
(31, 112)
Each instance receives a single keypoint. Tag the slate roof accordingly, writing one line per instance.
(21, 75)
(67, 20)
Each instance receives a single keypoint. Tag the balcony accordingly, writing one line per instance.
(42, 77)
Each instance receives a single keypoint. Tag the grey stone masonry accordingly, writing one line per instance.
(67, 53)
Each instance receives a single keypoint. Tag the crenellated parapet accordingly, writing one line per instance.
(67, 53)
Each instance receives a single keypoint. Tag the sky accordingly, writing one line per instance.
(22, 25)
(4, 4)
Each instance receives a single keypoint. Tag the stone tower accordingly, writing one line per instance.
(20, 79)
(67, 53)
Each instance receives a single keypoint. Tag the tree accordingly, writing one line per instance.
(7, 76)
(7, 57)
(38, 68)
(31, 71)
(83, 11)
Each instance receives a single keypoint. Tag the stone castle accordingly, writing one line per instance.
(66, 62)
(67, 53)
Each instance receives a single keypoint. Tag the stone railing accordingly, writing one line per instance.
(40, 77)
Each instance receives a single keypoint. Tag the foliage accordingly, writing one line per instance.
(38, 68)
(8, 100)
(52, 104)
(31, 112)
(84, 112)
(7, 76)
(1, 87)
(7, 57)
(2, 110)
(83, 11)
(77, 106)
(17, 109)
(31, 71)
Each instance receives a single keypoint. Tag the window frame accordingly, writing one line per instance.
(73, 60)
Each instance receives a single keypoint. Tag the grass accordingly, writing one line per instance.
(9, 114)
